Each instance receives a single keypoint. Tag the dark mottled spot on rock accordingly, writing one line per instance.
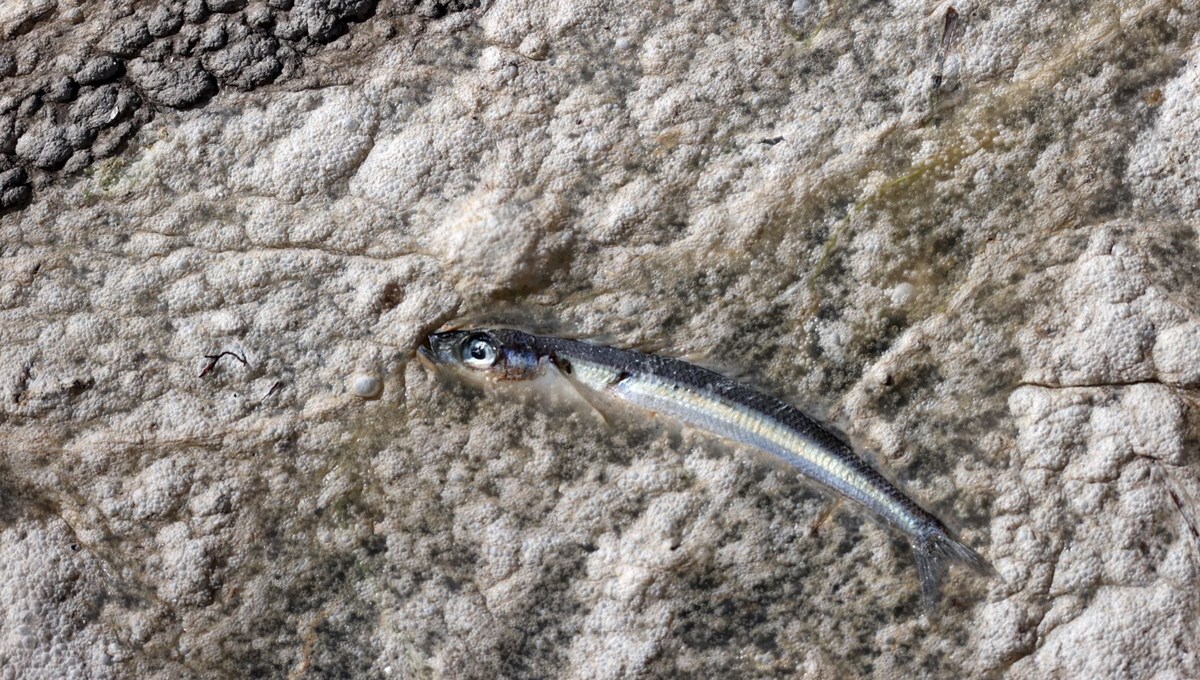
(95, 110)
(165, 20)
(247, 64)
(15, 177)
(78, 387)
(259, 17)
(213, 38)
(99, 70)
(436, 9)
(79, 136)
(28, 58)
(179, 84)
(44, 146)
(225, 6)
(29, 106)
(290, 28)
(326, 19)
(68, 63)
(62, 89)
(158, 51)
(235, 30)
(8, 65)
(127, 38)
(109, 141)
(280, 4)
(25, 16)
(78, 162)
(8, 134)
(195, 11)
(390, 297)
(15, 197)
(184, 44)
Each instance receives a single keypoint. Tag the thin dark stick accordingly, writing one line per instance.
(214, 358)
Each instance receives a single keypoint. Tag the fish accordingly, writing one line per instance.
(711, 402)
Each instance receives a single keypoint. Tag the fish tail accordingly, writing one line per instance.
(935, 552)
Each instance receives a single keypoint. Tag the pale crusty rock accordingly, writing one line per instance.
(1147, 625)
(338, 131)
(52, 586)
(1164, 168)
(534, 246)
(222, 459)
(1113, 337)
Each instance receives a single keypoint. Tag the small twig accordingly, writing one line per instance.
(214, 358)
(274, 388)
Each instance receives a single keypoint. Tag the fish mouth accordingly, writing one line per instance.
(425, 354)
(425, 349)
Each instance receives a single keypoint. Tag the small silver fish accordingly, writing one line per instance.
(714, 403)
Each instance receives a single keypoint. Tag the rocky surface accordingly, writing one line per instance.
(970, 238)
(81, 77)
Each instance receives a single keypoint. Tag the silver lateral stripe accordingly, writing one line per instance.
(734, 421)
(714, 403)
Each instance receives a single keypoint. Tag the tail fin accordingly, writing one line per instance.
(935, 553)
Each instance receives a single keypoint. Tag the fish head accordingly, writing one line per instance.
(498, 354)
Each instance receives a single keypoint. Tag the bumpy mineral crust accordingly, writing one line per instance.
(225, 226)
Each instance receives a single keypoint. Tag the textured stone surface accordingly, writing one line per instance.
(228, 224)
(162, 55)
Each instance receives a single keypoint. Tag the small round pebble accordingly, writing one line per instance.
(366, 386)
(902, 294)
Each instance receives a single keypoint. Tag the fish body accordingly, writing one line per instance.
(709, 401)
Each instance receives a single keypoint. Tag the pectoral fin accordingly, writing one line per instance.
(598, 404)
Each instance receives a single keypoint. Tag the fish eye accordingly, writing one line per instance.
(480, 352)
